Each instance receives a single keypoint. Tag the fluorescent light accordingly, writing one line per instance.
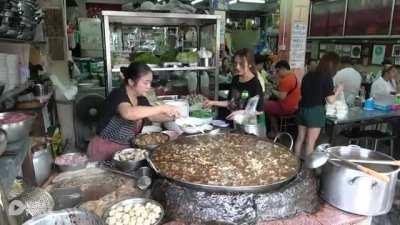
(232, 2)
(196, 1)
(253, 1)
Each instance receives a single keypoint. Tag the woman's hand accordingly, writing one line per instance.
(170, 111)
(234, 113)
(208, 103)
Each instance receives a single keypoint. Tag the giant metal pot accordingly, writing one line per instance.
(354, 191)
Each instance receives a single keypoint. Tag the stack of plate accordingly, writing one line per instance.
(3, 70)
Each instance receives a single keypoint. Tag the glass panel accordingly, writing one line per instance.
(327, 18)
(396, 19)
(368, 17)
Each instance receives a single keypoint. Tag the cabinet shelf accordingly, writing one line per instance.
(11, 93)
(160, 69)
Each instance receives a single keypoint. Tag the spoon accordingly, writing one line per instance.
(379, 162)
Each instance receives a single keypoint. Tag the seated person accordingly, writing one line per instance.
(288, 96)
(383, 85)
(244, 83)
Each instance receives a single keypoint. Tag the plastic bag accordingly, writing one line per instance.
(249, 113)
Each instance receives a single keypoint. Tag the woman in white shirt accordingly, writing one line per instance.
(383, 85)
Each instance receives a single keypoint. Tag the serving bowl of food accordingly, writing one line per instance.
(71, 161)
(17, 125)
(134, 211)
(130, 159)
(151, 141)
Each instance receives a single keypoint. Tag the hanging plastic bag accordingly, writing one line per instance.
(250, 111)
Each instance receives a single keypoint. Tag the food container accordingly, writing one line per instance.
(66, 217)
(132, 202)
(42, 164)
(150, 145)
(19, 129)
(71, 161)
(129, 165)
(181, 104)
(352, 190)
(3, 141)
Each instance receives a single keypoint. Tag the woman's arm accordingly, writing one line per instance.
(210, 103)
(332, 98)
(129, 112)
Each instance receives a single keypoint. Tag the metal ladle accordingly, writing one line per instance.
(318, 158)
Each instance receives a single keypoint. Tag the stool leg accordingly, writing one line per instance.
(376, 144)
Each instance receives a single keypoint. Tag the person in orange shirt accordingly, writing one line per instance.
(287, 96)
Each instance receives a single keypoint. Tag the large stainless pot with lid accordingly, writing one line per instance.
(352, 190)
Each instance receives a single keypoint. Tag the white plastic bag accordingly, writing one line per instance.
(247, 115)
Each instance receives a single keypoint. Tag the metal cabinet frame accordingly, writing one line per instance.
(161, 20)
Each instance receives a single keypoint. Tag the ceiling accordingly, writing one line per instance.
(269, 6)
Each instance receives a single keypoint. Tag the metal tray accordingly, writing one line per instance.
(218, 188)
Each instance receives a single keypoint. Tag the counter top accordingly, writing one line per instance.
(10, 165)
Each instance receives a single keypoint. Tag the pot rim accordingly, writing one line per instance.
(337, 164)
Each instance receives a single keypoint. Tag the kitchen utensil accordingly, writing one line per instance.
(3, 141)
(65, 198)
(134, 201)
(67, 217)
(144, 175)
(218, 188)
(37, 201)
(74, 165)
(129, 165)
(282, 134)
(3, 207)
(366, 161)
(42, 164)
(349, 189)
(18, 130)
(321, 159)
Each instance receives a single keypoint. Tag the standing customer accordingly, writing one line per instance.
(287, 95)
(124, 112)
(316, 89)
(245, 85)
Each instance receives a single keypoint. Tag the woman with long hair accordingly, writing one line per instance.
(316, 89)
(244, 81)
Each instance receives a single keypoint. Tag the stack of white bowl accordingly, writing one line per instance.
(3, 70)
(12, 67)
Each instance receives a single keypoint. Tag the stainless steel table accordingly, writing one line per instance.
(358, 117)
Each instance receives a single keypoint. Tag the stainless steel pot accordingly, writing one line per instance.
(354, 191)
(18, 130)
(42, 163)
